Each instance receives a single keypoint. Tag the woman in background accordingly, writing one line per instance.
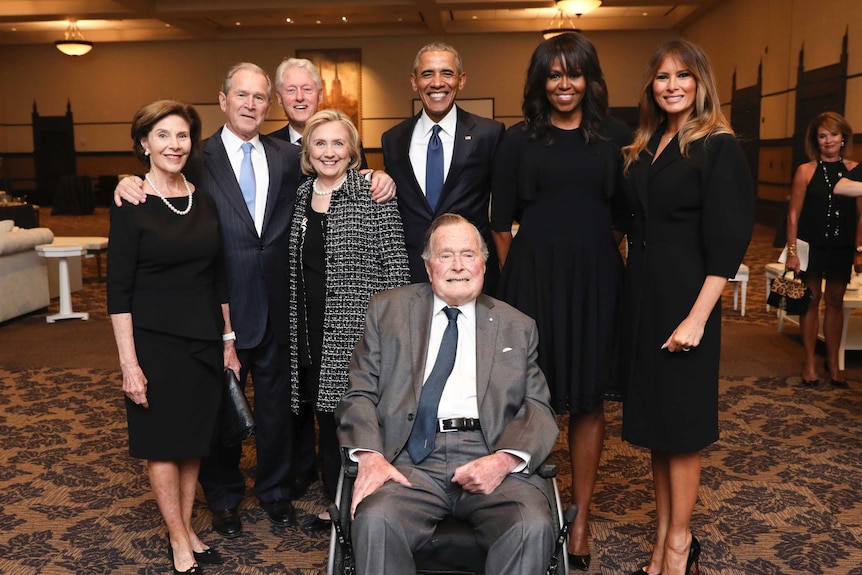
(168, 303)
(831, 226)
(344, 248)
(691, 197)
(556, 173)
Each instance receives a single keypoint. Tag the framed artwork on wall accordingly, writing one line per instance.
(341, 72)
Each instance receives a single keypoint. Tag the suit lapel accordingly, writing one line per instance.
(274, 163)
(420, 321)
(218, 164)
(463, 147)
(403, 146)
(486, 339)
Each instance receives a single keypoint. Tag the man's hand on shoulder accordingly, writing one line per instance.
(131, 189)
(373, 472)
(382, 185)
(485, 474)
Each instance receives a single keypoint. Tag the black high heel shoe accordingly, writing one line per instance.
(693, 557)
(193, 570)
(580, 562)
(840, 383)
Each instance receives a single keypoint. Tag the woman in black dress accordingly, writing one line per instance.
(556, 174)
(344, 247)
(168, 303)
(831, 226)
(691, 199)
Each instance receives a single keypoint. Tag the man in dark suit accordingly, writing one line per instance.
(254, 224)
(299, 90)
(469, 143)
(493, 394)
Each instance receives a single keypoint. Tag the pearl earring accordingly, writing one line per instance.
(146, 152)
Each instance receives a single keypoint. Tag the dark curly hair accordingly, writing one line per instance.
(575, 52)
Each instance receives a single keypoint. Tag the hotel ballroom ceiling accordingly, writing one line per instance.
(44, 21)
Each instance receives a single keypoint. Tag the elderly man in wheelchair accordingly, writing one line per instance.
(447, 415)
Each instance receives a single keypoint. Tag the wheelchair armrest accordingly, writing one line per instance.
(548, 468)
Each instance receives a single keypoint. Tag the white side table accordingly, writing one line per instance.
(63, 252)
(95, 246)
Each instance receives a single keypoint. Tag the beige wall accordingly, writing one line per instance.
(109, 84)
(739, 34)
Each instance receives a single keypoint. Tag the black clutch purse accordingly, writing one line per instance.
(237, 422)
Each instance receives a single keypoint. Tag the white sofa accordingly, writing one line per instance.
(23, 274)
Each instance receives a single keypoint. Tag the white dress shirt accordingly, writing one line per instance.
(419, 144)
(459, 395)
(233, 146)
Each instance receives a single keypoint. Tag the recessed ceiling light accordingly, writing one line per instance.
(344, 18)
(289, 20)
(474, 17)
(238, 23)
(317, 21)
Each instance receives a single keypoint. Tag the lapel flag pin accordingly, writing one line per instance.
(468, 137)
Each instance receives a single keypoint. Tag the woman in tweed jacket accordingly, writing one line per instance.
(344, 248)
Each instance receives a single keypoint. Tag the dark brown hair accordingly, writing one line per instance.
(151, 114)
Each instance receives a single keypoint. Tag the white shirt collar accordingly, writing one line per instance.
(448, 123)
(294, 135)
(232, 142)
(468, 310)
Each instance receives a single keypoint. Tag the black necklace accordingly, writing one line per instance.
(829, 196)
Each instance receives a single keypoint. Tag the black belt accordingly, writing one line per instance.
(458, 424)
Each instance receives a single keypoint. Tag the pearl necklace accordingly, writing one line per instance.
(319, 192)
(165, 200)
(829, 196)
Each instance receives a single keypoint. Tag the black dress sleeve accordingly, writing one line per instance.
(124, 241)
(506, 179)
(728, 205)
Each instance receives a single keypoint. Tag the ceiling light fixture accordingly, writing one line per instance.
(73, 44)
(562, 22)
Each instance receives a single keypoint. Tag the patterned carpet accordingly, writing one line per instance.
(780, 490)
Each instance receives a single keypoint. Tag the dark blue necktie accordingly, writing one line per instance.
(434, 168)
(422, 436)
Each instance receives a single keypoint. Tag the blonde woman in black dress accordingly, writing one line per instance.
(168, 303)
(691, 200)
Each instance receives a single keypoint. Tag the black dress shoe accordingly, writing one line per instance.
(208, 557)
(280, 512)
(579, 562)
(227, 523)
(318, 523)
(301, 484)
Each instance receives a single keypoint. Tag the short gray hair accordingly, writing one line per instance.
(300, 63)
(438, 47)
(225, 86)
(450, 219)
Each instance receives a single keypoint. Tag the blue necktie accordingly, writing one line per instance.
(434, 168)
(246, 178)
(424, 432)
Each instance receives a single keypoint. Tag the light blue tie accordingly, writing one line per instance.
(434, 168)
(420, 444)
(246, 178)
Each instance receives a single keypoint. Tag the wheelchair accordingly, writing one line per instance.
(453, 549)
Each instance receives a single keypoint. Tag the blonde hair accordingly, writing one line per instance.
(706, 118)
(324, 117)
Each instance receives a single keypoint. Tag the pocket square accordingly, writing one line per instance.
(505, 349)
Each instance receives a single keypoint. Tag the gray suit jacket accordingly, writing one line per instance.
(388, 366)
